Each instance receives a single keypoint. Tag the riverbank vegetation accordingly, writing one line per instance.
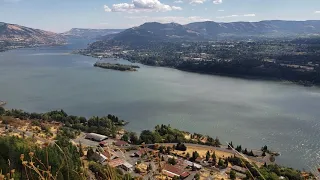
(282, 59)
(167, 134)
(106, 125)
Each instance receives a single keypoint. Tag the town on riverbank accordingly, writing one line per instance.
(107, 151)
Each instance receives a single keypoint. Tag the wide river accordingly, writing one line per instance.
(248, 112)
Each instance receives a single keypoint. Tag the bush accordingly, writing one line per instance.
(181, 147)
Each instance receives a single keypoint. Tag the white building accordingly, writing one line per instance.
(96, 137)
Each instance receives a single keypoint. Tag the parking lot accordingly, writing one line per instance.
(91, 143)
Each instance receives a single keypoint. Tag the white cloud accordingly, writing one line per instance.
(249, 15)
(169, 19)
(317, 12)
(178, 1)
(221, 10)
(197, 1)
(106, 8)
(141, 6)
(217, 1)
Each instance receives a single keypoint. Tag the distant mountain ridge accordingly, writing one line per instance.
(24, 36)
(90, 33)
(209, 30)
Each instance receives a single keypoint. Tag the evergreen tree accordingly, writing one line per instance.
(2, 111)
(232, 175)
(245, 151)
(214, 158)
(188, 155)
(207, 156)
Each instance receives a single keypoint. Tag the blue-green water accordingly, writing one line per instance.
(251, 113)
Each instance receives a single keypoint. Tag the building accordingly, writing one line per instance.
(143, 151)
(99, 157)
(121, 143)
(192, 164)
(120, 163)
(96, 137)
(172, 171)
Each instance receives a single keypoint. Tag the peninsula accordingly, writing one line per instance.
(119, 67)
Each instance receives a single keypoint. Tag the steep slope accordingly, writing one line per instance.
(154, 31)
(209, 30)
(24, 36)
(273, 27)
(90, 33)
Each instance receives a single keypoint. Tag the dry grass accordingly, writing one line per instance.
(202, 151)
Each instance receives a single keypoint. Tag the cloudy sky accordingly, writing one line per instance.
(61, 15)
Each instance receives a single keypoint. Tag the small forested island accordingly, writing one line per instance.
(119, 67)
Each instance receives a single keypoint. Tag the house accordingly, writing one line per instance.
(172, 171)
(96, 137)
(121, 164)
(192, 164)
(109, 154)
(121, 143)
(99, 157)
(142, 152)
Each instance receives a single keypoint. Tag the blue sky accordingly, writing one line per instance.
(62, 15)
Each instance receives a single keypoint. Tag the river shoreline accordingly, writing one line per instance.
(263, 78)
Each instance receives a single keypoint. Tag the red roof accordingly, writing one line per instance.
(116, 162)
(120, 143)
(175, 170)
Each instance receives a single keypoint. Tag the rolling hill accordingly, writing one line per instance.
(209, 30)
(89, 33)
(25, 36)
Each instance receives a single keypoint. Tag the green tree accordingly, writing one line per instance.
(245, 151)
(176, 178)
(2, 111)
(195, 155)
(197, 176)
(220, 163)
(214, 158)
(125, 137)
(239, 148)
(168, 150)
(172, 161)
(188, 155)
(232, 175)
(207, 156)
